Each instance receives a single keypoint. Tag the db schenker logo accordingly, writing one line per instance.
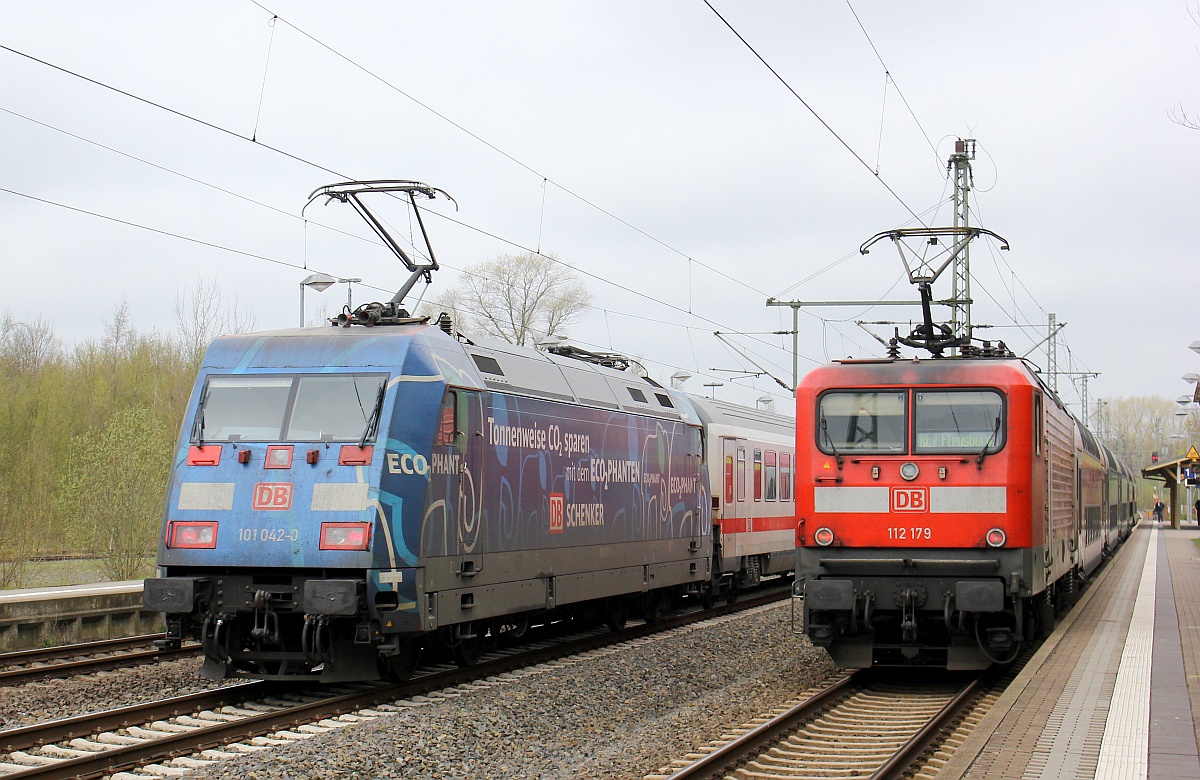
(556, 513)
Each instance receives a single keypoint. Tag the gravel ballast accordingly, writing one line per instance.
(619, 713)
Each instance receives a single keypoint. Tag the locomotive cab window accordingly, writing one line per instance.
(958, 421)
(861, 421)
(317, 407)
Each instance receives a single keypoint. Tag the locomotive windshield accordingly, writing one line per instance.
(862, 421)
(307, 407)
(958, 421)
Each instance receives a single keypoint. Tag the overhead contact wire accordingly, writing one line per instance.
(813, 111)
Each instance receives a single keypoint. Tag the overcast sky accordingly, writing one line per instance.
(643, 142)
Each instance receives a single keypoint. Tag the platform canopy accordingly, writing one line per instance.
(1171, 472)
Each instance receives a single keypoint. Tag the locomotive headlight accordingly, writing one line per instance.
(996, 538)
(823, 537)
(909, 471)
(193, 535)
(345, 536)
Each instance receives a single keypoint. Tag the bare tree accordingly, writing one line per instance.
(519, 298)
(1178, 114)
(206, 315)
(1136, 426)
(28, 346)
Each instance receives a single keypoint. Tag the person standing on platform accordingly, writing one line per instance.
(1198, 511)
(1158, 509)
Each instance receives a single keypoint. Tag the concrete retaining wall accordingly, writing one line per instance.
(41, 617)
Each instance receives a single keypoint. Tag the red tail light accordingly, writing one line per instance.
(996, 538)
(192, 535)
(345, 536)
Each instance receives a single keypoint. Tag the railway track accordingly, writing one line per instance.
(23, 666)
(864, 725)
(193, 730)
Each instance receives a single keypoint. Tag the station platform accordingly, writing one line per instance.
(1115, 691)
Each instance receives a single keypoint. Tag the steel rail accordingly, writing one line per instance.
(83, 648)
(725, 759)
(895, 766)
(88, 665)
(52, 731)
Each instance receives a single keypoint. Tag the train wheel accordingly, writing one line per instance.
(616, 613)
(469, 646)
(657, 605)
(1045, 615)
(400, 667)
(514, 627)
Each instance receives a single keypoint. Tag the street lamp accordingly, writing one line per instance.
(321, 283)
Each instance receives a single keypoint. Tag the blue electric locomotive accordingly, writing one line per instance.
(339, 494)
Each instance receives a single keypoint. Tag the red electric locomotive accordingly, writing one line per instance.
(945, 507)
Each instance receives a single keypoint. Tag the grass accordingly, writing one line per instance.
(75, 571)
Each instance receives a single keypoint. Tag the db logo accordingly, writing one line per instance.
(273, 495)
(556, 513)
(910, 499)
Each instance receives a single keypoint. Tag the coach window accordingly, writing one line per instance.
(772, 475)
(758, 475)
(785, 477)
(861, 421)
(958, 421)
(741, 474)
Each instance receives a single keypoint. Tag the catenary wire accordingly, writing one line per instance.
(892, 79)
(812, 111)
(457, 125)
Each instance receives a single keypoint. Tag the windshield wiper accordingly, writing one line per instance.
(198, 426)
(373, 420)
(983, 452)
(829, 440)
